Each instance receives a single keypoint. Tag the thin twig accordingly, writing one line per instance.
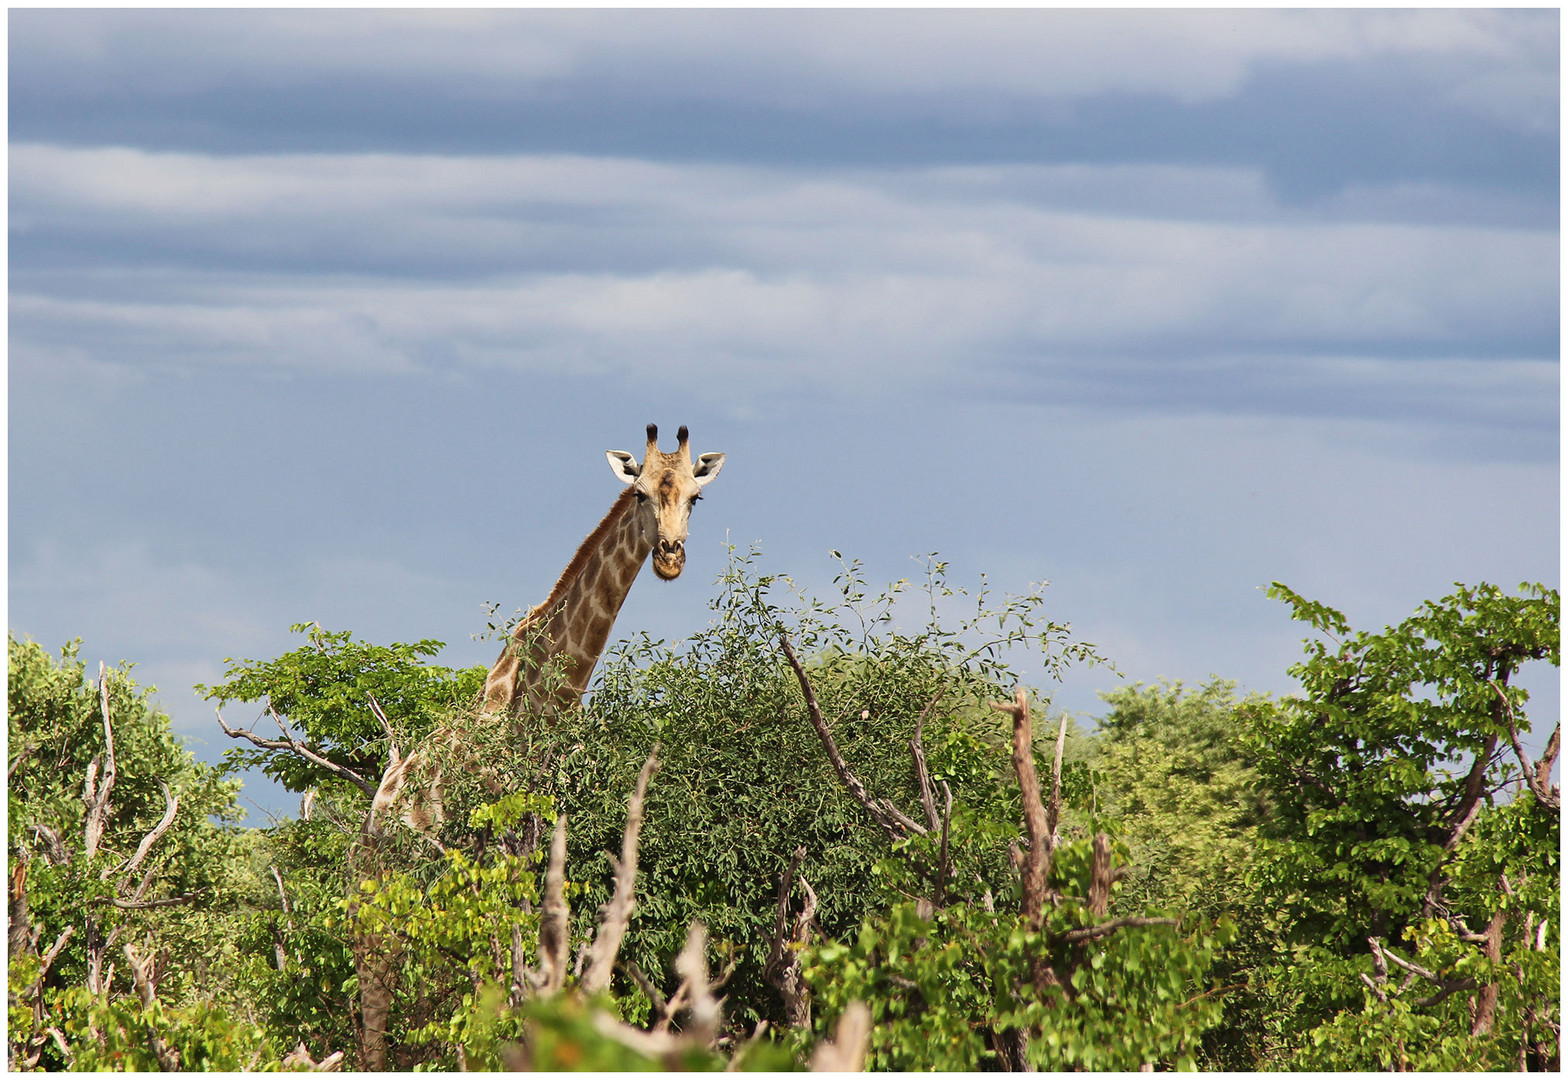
(1535, 773)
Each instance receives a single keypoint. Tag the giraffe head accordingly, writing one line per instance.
(666, 486)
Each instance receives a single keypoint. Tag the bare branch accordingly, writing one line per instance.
(1536, 774)
(142, 905)
(54, 852)
(1053, 812)
(299, 1058)
(893, 821)
(847, 1051)
(692, 966)
(295, 746)
(158, 830)
(941, 867)
(1448, 990)
(144, 977)
(607, 943)
(554, 922)
(95, 792)
(1036, 866)
(21, 755)
(783, 966)
(922, 774)
(1374, 987)
(1100, 876)
(386, 725)
(654, 994)
(54, 950)
(1106, 929)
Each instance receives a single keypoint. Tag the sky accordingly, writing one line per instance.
(331, 315)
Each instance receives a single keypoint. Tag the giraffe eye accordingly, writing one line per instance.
(697, 497)
(642, 496)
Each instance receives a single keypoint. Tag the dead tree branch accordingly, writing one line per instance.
(922, 773)
(1100, 876)
(555, 920)
(692, 966)
(1053, 810)
(158, 830)
(95, 791)
(894, 821)
(847, 1051)
(947, 821)
(607, 943)
(294, 746)
(1036, 867)
(783, 967)
(1106, 929)
(143, 905)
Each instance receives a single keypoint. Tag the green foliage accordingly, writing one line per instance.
(1387, 834)
(1318, 849)
(1170, 767)
(56, 729)
(121, 1033)
(942, 990)
(323, 690)
(744, 780)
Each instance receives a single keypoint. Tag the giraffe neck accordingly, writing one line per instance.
(568, 631)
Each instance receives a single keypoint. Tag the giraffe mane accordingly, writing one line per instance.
(585, 551)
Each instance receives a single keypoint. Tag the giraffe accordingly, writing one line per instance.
(573, 622)
(548, 658)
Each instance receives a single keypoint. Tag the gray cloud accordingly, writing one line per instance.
(1317, 100)
(755, 280)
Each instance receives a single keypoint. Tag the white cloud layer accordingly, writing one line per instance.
(750, 280)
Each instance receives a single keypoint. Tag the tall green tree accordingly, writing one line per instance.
(1410, 870)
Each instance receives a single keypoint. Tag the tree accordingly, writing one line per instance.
(1410, 864)
(1039, 978)
(1170, 766)
(118, 868)
(323, 699)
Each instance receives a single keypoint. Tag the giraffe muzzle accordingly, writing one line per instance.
(669, 559)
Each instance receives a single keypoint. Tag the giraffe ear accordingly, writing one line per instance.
(708, 467)
(624, 466)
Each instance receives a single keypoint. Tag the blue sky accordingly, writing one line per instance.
(330, 315)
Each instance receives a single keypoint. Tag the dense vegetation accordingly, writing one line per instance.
(1363, 876)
